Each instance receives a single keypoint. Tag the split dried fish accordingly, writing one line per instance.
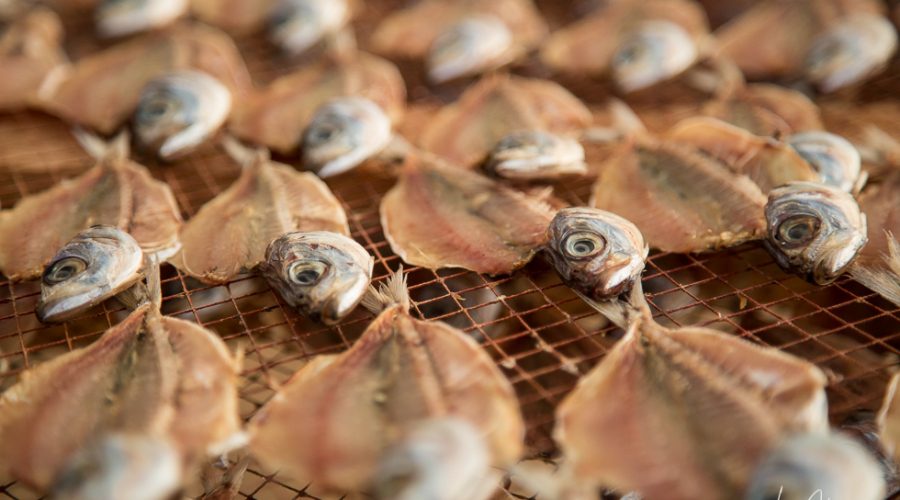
(229, 233)
(878, 266)
(323, 274)
(831, 43)
(97, 264)
(461, 38)
(767, 110)
(349, 410)
(178, 111)
(440, 459)
(637, 43)
(597, 253)
(681, 199)
(233, 16)
(888, 421)
(30, 49)
(158, 378)
(343, 133)
(115, 192)
(441, 216)
(116, 18)
(297, 25)
(520, 127)
(684, 413)
(814, 230)
(818, 465)
(102, 90)
(767, 162)
(279, 115)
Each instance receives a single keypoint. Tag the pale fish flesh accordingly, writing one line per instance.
(30, 49)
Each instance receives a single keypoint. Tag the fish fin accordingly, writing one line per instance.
(622, 311)
(142, 293)
(884, 281)
(243, 154)
(394, 292)
(99, 149)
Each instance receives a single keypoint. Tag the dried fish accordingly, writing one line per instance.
(440, 459)
(684, 413)
(278, 116)
(440, 216)
(97, 264)
(597, 253)
(126, 17)
(767, 162)
(461, 38)
(159, 378)
(102, 90)
(115, 192)
(234, 16)
(814, 230)
(30, 49)
(180, 110)
(831, 43)
(817, 466)
(296, 25)
(681, 200)
(887, 420)
(321, 273)
(767, 110)
(349, 410)
(229, 233)
(343, 133)
(878, 265)
(521, 128)
(834, 158)
(637, 43)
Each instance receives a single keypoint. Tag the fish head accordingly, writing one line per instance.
(814, 465)
(473, 44)
(323, 274)
(536, 154)
(343, 133)
(116, 18)
(835, 159)
(654, 51)
(97, 264)
(814, 230)
(849, 51)
(178, 111)
(596, 252)
(297, 25)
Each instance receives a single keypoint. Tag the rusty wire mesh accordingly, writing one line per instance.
(540, 334)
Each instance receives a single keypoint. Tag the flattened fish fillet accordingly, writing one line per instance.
(878, 264)
(440, 216)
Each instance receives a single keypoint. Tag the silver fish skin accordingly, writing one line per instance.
(818, 466)
(814, 230)
(440, 459)
(534, 155)
(323, 274)
(297, 25)
(343, 133)
(97, 264)
(115, 466)
(115, 18)
(473, 44)
(655, 51)
(835, 159)
(178, 111)
(596, 252)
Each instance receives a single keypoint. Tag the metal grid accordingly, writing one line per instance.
(540, 334)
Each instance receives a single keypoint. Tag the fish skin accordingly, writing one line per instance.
(229, 233)
(116, 192)
(440, 216)
(681, 200)
(695, 410)
(102, 90)
(349, 408)
(466, 131)
(277, 115)
(30, 49)
(113, 263)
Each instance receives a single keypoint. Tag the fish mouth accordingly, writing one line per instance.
(344, 301)
(618, 279)
(833, 264)
(56, 310)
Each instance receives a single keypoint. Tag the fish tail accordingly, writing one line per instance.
(394, 292)
(101, 149)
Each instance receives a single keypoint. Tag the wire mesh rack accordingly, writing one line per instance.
(541, 335)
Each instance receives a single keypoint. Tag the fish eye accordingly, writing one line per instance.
(629, 53)
(584, 244)
(798, 229)
(323, 133)
(155, 108)
(307, 273)
(64, 269)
